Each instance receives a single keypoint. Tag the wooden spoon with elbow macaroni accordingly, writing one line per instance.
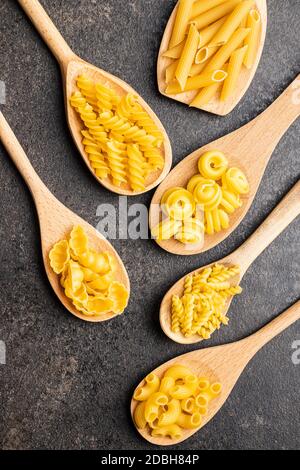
(72, 66)
(248, 148)
(271, 228)
(222, 364)
(215, 106)
(56, 222)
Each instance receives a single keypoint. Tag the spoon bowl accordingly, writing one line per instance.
(223, 364)
(56, 223)
(248, 148)
(272, 227)
(72, 66)
(215, 106)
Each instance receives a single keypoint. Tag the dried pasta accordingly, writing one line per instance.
(200, 311)
(88, 277)
(206, 204)
(117, 132)
(181, 403)
(210, 36)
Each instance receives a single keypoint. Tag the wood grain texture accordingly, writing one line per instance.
(56, 222)
(245, 78)
(248, 148)
(72, 66)
(222, 364)
(270, 229)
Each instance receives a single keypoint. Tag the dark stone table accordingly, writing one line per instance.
(67, 384)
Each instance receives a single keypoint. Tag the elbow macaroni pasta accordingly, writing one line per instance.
(180, 403)
(118, 134)
(206, 35)
(87, 277)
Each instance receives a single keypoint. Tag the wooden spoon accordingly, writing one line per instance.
(271, 228)
(56, 222)
(222, 364)
(215, 106)
(248, 148)
(72, 66)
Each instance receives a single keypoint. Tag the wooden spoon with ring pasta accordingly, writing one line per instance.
(248, 148)
(71, 67)
(223, 364)
(246, 76)
(271, 228)
(56, 222)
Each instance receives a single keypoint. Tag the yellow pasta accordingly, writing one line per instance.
(175, 52)
(204, 54)
(136, 172)
(208, 17)
(236, 181)
(173, 431)
(213, 164)
(204, 300)
(206, 94)
(153, 403)
(232, 23)
(191, 231)
(113, 128)
(151, 386)
(200, 6)
(139, 416)
(181, 21)
(180, 205)
(187, 57)
(171, 415)
(196, 69)
(233, 72)
(197, 82)
(170, 71)
(209, 32)
(254, 23)
(179, 404)
(87, 277)
(59, 256)
(186, 421)
(223, 54)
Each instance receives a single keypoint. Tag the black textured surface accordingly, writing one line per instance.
(67, 384)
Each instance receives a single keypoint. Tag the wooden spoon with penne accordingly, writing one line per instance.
(210, 52)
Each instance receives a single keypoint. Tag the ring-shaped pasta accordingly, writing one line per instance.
(213, 164)
(191, 232)
(166, 229)
(165, 197)
(208, 194)
(180, 205)
(237, 181)
(194, 181)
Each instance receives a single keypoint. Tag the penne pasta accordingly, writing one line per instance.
(254, 23)
(170, 71)
(223, 54)
(209, 32)
(232, 23)
(181, 22)
(188, 56)
(201, 6)
(175, 52)
(196, 69)
(234, 69)
(205, 53)
(206, 94)
(210, 16)
(200, 81)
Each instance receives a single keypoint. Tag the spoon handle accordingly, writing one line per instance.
(47, 30)
(17, 154)
(281, 217)
(259, 138)
(259, 339)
